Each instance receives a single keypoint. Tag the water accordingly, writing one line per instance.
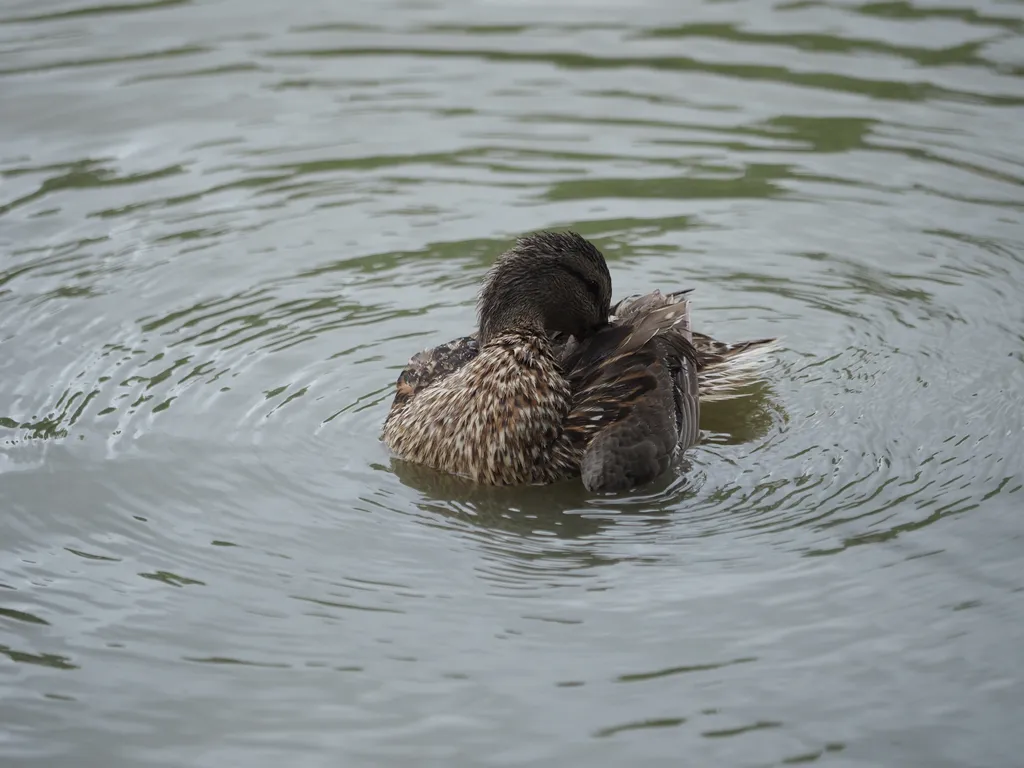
(226, 225)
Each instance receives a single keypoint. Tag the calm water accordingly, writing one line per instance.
(226, 225)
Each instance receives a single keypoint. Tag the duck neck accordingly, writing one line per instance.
(529, 347)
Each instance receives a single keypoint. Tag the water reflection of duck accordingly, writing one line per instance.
(557, 383)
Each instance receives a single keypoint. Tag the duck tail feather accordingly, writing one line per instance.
(728, 373)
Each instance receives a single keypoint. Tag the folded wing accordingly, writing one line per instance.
(635, 397)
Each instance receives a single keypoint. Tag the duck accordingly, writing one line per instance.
(558, 383)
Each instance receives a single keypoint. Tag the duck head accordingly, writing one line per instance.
(548, 282)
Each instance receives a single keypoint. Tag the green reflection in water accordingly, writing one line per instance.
(878, 89)
(27, 618)
(966, 53)
(760, 725)
(751, 182)
(172, 579)
(99, 61)
(98, 10)
(662, 722)
(52, 660)
(87, 174)
(905, 10)
(642, 676)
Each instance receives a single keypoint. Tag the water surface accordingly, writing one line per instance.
(225, 227)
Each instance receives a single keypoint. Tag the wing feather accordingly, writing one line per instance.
(635, 397)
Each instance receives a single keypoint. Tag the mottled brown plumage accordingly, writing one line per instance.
(549, 389)
(724, 371)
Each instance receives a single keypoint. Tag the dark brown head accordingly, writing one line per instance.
(547, 282)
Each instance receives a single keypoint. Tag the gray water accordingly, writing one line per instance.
(227, 224)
